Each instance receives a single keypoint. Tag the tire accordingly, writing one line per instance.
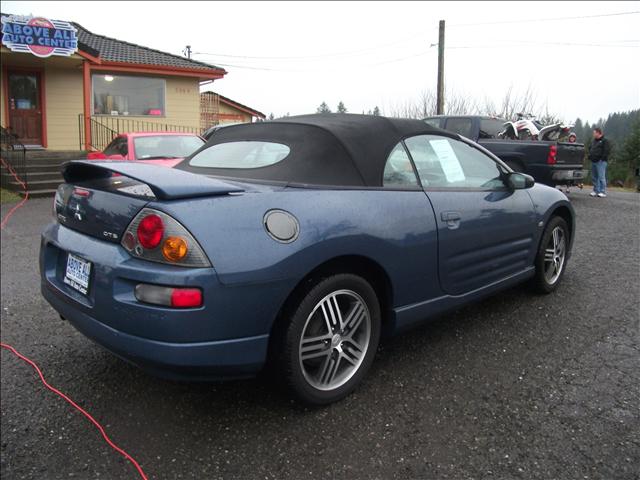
(321, 360)
(550, 266)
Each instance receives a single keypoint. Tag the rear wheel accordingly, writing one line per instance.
(551, 258)
(330, 339)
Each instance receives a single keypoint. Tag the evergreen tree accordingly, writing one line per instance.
(627, 159)
(341, 108)
(578, 129)
(376, 111)
(271, 116)
(323, 108)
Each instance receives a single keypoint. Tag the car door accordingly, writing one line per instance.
(485, 230)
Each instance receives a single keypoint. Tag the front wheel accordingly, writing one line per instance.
(331, 338)
(551, 258)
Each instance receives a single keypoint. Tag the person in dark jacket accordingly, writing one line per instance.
(599, 156)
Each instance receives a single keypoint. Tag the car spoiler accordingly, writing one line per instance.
(165, 183)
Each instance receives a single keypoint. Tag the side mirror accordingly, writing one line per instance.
(123, 149)
(519, 181)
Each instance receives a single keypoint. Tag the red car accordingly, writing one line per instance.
(160, 148)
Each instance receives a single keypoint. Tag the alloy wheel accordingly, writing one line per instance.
(334, 340)
(554, 255)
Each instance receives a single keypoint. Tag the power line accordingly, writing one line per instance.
(314, 57)
(554, 19)
(401, 58)
(397, 42)
(536, 44)
(251, 67)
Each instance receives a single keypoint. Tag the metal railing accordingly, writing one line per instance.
(105, 128)
(101, 135)
(14, 160)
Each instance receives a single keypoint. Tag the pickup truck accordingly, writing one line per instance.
(549, 162)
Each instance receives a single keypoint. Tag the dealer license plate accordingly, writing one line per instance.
(78, 273)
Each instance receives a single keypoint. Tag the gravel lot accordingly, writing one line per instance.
(518, 386)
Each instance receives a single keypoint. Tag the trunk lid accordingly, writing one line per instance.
(97, 209)
(101, 198)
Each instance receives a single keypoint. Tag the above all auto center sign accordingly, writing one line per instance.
(39, 36)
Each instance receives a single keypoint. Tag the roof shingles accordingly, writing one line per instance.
(120, 51)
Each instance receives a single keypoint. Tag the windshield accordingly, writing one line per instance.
(240, 155)
(166, 146)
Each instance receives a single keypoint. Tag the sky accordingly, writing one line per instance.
(580, 58)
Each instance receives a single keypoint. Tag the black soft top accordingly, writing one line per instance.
(326, 149)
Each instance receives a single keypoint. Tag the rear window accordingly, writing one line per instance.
(240, 155)
(491, 127)
(461, 126)
(166, 146)
(434, 122)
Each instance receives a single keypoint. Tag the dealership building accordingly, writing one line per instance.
(65, 88)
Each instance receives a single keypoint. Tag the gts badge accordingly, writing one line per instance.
(111, 235)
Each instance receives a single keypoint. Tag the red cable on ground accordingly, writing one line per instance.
(77, 407)
(37, 369)
(24, 187)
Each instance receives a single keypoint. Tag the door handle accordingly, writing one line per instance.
(450, 216)
(452, 219)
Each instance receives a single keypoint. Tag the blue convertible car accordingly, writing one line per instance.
(297, 243)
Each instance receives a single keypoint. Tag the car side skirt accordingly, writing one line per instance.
(408, 316)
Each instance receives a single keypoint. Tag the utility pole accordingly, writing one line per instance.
(187, 51)
(440, 93)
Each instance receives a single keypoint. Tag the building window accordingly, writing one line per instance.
(128, 95)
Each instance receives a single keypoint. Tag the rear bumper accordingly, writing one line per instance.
(553, 175)
(568, 176)
(235, 358)
(227, 337)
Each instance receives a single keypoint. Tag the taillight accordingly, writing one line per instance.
(150, 231)
(174, 249)
(186, 297)
(553, 152)
(177, 297)
(156, 236)
(58, 201)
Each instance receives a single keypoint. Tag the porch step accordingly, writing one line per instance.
(36, 185)
(42, 167)
(48, 155)
(46, 192)
(37, 175)
(43, 157)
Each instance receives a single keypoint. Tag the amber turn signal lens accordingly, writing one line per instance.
(174, 249)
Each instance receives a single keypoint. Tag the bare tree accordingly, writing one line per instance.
(425, 105)
(460, 103)
(548, 118)
(512, 103)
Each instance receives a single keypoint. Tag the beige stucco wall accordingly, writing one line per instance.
(183, 102)
(63, 100)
